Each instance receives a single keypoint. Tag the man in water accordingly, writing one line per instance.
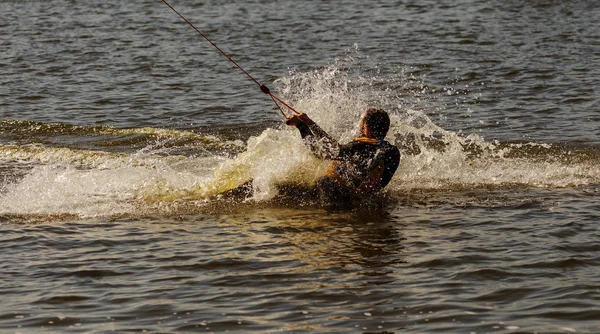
(360, 168)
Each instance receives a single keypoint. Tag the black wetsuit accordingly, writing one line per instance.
(360, 168)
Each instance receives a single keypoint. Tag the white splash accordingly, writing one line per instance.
(90, 183)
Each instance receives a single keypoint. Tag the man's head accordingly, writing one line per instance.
(375, 123)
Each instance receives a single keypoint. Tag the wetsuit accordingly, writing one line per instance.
(360, 168)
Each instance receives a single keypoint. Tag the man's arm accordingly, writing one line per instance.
(319, 141)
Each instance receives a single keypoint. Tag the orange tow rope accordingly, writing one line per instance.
(262, 87)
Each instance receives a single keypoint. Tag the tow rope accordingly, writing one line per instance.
(262, 87)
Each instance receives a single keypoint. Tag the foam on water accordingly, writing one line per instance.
(92, 183)
(433, 158)
(88, 183)
(275, 157)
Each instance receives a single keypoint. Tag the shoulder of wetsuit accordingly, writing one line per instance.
(387, 145)
(390, 151)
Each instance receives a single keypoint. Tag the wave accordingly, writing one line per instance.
(87, 183)
(107, 137)
(159, 171)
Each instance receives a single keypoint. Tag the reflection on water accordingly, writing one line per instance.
(320, 240)
(447, 261)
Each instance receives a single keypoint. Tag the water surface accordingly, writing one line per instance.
(123, 134)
